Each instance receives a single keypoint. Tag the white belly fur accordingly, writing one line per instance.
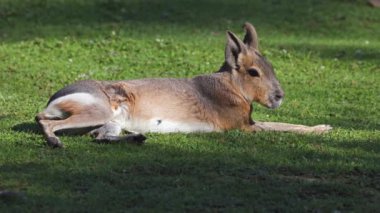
(159, 125)
(166, 126)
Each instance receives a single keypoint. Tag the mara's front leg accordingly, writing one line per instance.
(110, 132)
(285, 127)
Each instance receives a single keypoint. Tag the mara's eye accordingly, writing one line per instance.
(253, 72)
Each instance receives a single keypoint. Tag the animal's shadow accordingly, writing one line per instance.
(34, 128)
(27, 127)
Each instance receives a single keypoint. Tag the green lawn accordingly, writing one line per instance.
(327, 57)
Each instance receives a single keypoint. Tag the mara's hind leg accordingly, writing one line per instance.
(78, 116)
(110, 132)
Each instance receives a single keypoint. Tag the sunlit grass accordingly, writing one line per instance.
(326, 55)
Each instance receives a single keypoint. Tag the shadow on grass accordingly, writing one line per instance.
(32, 127)
(27, 127)
(340, 52)
(29, 19)
(3, 117)
(223, 172)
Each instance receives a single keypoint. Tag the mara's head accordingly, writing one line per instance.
(251, 71)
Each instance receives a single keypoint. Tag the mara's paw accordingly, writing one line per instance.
(96, 133)
(54, 142)
(138, 139)
(323, 128)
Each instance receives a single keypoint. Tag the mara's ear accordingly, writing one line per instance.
(234, 47)
(250, 38)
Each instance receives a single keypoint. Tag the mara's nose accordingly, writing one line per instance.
(279, 95)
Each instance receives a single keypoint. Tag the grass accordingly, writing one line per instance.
(327, 58)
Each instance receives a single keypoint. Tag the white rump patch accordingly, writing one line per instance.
(80, 98)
